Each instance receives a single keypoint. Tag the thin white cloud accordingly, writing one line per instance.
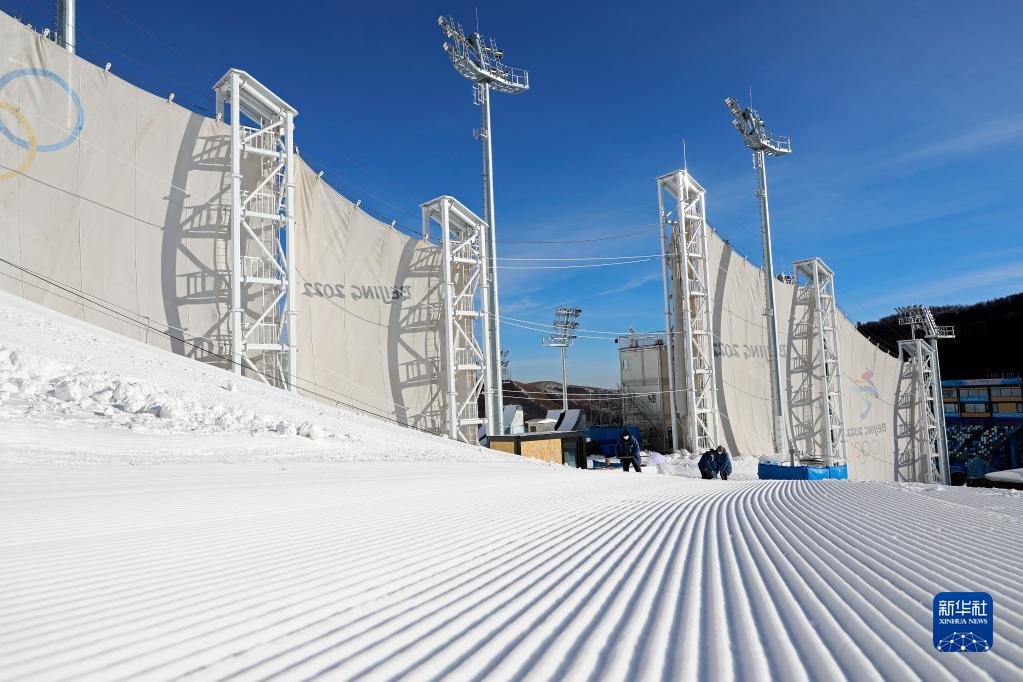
(1008, 277)
(947, 143)
(633, 283)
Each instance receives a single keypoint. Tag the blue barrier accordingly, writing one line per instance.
(771, 471)
(606, 437)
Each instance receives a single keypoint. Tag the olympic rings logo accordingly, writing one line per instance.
(30, 142)
(866, 449)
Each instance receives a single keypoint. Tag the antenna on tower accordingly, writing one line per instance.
(478, 59)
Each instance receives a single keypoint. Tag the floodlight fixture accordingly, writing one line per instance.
(754, 134)
(479, 59)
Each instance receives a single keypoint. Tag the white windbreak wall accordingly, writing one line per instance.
(118, 202)
(741, 354)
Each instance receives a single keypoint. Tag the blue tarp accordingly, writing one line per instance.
(776, 472)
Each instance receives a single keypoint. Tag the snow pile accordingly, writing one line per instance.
(31, 385)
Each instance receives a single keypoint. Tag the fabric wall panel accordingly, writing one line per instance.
(108, 141)
(10, 242)
(108, 268)
(50, 245)
(370, 303)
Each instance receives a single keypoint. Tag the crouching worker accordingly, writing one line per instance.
(708, 465)
(627, 450)
(722, 463)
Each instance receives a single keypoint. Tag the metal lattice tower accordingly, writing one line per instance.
(566, 322)
(504, 366)
(263, 311)
(687, 300)
(919, 422)
(930, 443)
(466, 361)
(478, 59)
(815, 281)
(762, 143)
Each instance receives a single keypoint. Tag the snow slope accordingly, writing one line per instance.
(71, 392)
(253, 554)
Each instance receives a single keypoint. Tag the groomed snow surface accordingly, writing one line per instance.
(236, 548)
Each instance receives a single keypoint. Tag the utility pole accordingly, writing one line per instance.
(566, 322)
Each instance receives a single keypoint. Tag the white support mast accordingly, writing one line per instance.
(762, 144)
(478, 59)
(264, 307)
(689, 301)
(815, 281)
(667, 271)
(921, 444)
(467, 363)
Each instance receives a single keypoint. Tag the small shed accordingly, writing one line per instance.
(555, 447)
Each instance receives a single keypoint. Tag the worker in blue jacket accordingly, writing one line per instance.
(627, 451)
(723, 463)
(708, 464)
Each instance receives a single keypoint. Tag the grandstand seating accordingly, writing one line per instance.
(966, 441)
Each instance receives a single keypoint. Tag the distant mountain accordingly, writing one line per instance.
(989, 337)
(539, 396)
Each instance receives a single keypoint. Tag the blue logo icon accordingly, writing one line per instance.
(964, 622)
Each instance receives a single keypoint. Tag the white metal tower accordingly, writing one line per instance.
(921, 446)
(687, 300)
(919, 435)
(466, 361)
(478, 59)
(815, 282)
(264, 309)
(566, 322)
(763, 144)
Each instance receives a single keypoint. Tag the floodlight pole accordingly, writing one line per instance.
(494, 342)
(478, 59)
(66, 24)
(762, 143)
(777, 405)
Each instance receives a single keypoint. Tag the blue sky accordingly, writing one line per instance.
(905, 118)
